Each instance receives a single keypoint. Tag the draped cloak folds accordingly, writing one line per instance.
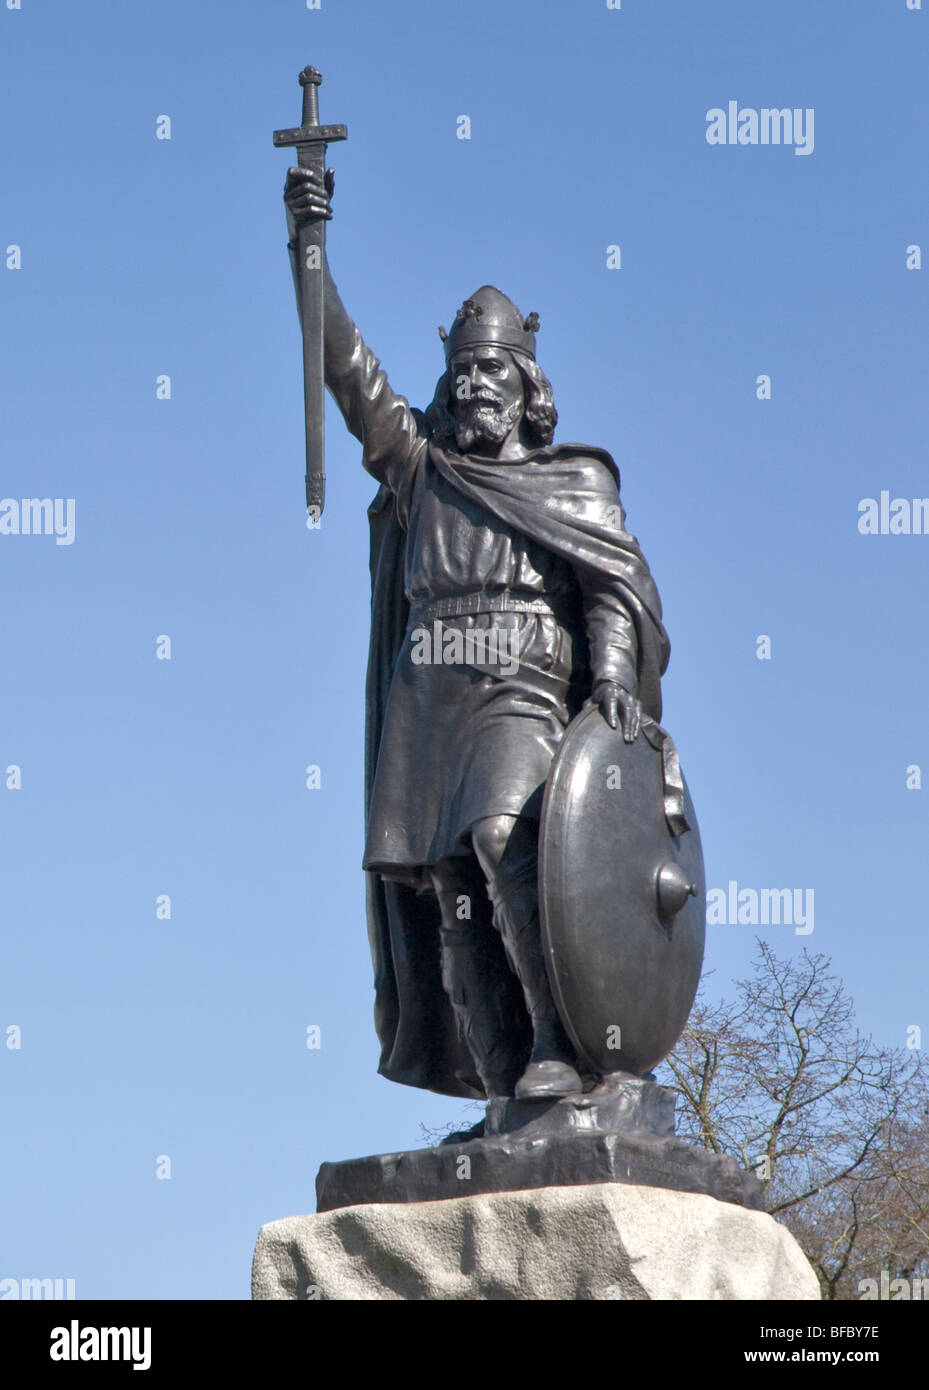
(566, 498)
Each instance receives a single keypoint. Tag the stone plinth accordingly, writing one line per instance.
(607, 1241)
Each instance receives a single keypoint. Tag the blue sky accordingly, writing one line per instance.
(140, 257)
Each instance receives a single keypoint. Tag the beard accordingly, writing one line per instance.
(485, 422)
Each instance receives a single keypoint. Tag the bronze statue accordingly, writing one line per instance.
(507, 599)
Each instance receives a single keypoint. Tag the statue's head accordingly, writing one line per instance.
(492, 382)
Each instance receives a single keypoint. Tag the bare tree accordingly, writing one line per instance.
(836, 1127)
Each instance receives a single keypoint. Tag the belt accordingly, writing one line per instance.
(464, 604)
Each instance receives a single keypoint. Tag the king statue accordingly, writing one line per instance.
(509, 602)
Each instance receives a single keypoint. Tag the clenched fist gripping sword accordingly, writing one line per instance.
(311, 139)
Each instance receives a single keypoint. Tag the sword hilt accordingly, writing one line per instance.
(310, 78)
(310, 132)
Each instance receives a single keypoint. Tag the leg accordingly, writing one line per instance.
(507, 851)
(479, 986)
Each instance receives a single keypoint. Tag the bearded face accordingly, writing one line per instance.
(488, 396)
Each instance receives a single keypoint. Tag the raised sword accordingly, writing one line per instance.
(311, 139)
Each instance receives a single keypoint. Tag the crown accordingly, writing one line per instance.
(490, 318)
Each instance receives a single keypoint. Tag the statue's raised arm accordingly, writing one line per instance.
(372, 410)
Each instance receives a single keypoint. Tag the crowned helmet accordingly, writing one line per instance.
(491, 319)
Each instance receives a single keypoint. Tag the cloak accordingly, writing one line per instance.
(572, 507)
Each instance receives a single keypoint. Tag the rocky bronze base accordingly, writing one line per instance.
(620, 1132)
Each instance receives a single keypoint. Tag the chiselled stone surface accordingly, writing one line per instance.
(607, 1241)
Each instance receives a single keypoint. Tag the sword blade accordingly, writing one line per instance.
(312, 245)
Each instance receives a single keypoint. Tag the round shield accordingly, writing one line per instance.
(622, 897)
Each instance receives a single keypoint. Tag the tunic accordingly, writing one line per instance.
(459, 743)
